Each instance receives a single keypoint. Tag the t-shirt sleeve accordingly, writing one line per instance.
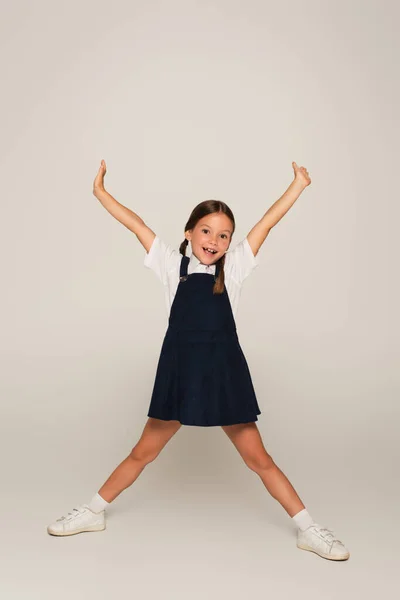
(240, 261)
(161, 259)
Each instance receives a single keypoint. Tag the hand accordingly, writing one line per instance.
(301, 175)
(98, 183)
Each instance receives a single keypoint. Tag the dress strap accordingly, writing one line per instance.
(183, 269)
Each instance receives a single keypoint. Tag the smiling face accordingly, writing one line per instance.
(212, 232)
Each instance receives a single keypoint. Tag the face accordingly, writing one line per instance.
(214, 231)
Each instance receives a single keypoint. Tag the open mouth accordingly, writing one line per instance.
(209, 252)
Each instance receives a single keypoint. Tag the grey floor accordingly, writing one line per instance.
(196, 524)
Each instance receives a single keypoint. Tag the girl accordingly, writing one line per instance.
(202, 376)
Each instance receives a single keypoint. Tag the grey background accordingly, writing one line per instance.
(187, 101)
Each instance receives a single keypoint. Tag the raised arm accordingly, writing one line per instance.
(123, 214)
(274, 214)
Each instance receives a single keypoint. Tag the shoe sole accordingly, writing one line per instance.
(328, 556)
(83, 529)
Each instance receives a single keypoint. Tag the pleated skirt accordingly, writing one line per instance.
(203, 379)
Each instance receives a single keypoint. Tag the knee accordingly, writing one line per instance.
(142, 457)
(259, 462)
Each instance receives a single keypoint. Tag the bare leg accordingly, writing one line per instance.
(155, 436)
(247, 440)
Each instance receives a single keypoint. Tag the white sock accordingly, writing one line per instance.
(97, 503)
(303, 520)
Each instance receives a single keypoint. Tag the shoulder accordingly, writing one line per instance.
(240, 261)
(162, 258)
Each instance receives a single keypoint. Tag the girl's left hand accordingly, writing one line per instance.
(301, 175)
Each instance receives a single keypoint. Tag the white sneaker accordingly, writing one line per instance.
(80, 519)
(322, 541)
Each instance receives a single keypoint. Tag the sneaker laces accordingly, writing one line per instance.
(329, 535)
(75, 511)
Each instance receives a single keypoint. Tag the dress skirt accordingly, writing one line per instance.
(203, 379)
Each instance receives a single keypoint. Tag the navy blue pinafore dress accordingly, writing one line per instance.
(202, 375)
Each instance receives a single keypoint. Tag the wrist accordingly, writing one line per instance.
(298, 184)
(98, 190)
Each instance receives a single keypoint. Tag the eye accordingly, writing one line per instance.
(224, 234)
(204, 230)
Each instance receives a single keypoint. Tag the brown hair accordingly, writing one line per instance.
(201, 210)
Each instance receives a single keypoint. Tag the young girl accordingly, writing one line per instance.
(202, 376)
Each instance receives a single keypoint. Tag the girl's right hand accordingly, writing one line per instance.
(98, 183)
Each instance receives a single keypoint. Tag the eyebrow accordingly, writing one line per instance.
(228, 230)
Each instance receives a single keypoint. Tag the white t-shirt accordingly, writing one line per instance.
(165, 261)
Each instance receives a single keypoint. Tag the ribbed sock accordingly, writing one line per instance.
(97, 503)
(303, 520)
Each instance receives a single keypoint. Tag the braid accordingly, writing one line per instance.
(219, 284)
(183, 246)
